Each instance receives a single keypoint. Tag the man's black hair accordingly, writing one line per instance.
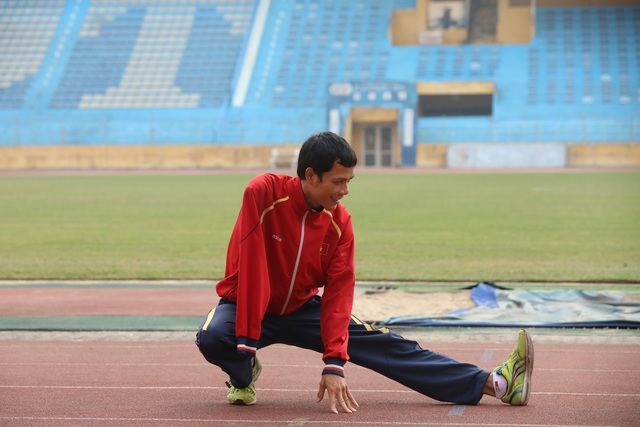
(322, 150)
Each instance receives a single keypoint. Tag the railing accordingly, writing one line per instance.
(286, 130)
(586, 130)
(161, 131)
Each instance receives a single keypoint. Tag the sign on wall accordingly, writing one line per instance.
(376, 93)
(447, 14)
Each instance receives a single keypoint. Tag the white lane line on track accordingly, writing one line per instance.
(106, 387)
(563, 393)
(279, 390)
(487, 355)
(284, 422)
(106, 364)
(316, 366)
(457, 410)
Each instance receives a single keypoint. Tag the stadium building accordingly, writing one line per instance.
(100, 84)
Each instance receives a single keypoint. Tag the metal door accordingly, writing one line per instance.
(377, 146)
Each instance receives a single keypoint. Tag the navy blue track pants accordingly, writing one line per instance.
(427, 372)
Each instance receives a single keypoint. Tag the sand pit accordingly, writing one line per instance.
(381, 303)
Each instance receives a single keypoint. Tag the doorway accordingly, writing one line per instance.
(373, 132)
(377, 145)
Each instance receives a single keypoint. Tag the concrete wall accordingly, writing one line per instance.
(136, 157)
(527, 155)
(248, 156)
(603, 155)
(582, 3)
(515, 25)
(506, 155)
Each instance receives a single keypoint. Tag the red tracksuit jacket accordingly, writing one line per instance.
(280, 253)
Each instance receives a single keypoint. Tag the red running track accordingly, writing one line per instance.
(168, 383)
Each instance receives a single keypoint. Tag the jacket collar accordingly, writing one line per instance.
(294, 189)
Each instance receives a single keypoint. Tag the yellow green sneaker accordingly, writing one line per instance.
(242, 396)
(245, 396)
(517, 370)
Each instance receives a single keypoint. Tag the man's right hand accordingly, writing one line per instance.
(338, 392)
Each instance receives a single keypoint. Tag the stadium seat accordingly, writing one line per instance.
(96, 63)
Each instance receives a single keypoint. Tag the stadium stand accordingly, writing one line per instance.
(146, 72)
(355, 48)
(151, 56)
(27, 29)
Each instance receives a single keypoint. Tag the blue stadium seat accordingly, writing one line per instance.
(585, 56)
(26, 33)
(320, 42)
(154, 54)
(105, 60)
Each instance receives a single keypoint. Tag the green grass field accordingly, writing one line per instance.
(502, 227)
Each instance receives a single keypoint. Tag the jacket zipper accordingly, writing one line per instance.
(295, 268)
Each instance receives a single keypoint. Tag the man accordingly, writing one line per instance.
(293, 236)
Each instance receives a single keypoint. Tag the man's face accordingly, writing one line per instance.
(328, 192)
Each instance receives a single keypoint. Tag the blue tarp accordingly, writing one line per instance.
(499, 307)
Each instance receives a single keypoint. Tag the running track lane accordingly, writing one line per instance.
(168, 383)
